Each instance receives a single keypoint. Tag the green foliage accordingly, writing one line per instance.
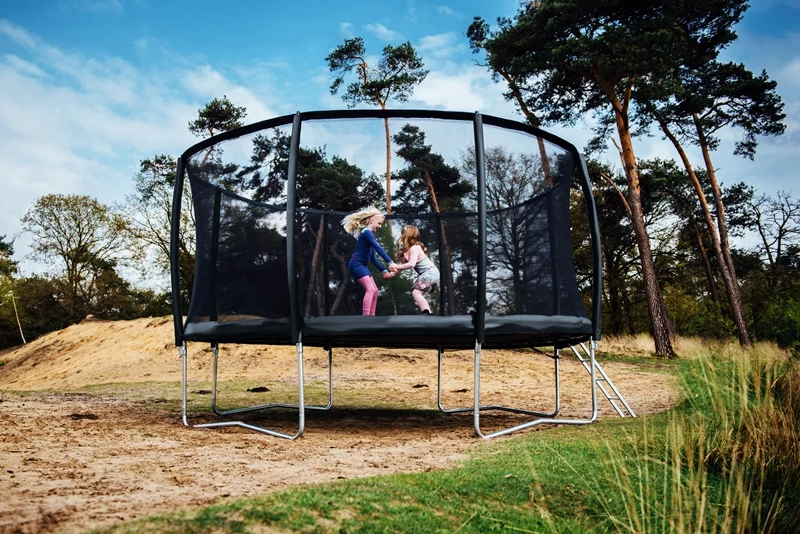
(8, 267)
(219, 115)
(396, 74)
(41, 309)
(149, 213)
(782, 323)
(85, 239)
(427, 183)
(571, 57)
(697, 317)
(743, 413)
(709, 97)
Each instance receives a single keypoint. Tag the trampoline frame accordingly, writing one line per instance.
(479, 317)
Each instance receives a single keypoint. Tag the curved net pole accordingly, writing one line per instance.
(294, 308)
(481, 308)
(174, 251)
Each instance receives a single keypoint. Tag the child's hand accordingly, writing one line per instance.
(387, 275)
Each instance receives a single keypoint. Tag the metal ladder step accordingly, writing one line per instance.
(601, 376)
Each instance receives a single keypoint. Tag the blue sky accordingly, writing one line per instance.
(88, 88)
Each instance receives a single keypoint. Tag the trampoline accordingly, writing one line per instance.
(271, 254)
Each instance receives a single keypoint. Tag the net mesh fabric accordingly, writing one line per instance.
(241, 262)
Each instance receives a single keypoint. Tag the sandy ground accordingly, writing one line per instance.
(72, 461)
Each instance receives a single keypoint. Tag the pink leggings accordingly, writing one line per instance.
(370, 295)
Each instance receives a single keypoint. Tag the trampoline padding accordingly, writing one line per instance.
(391, 331)
(267, 331)
(409, 331)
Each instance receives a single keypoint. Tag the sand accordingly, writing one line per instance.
(74, 459)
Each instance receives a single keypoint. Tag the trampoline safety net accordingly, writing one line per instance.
(534, 188)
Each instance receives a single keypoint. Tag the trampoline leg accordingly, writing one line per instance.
(300, 406)
(272, 405)
(542, 420)
(495, 407)
(182, 353)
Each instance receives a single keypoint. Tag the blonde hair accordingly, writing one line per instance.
(408, 238)
(355, 222)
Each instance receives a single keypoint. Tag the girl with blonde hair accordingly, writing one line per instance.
(362, 225)
(411, 249)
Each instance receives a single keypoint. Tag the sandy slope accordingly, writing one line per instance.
(73, 461)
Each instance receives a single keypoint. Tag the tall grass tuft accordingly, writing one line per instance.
(729, 461)
(642, 345)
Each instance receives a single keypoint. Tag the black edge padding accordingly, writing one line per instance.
(597, 257)
(174, 251)
(480, 168)
(291, 210)
(507, 124)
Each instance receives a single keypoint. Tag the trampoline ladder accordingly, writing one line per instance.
(614, 395)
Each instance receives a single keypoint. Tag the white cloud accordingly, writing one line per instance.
(346, 29)
(142, 45)
(80, 124)
(207, 83)
(441, 46)
(92, 5)
(23, 66)
(446, 10)
(16, 34)
(790, 73)
(767, 4)
(469, 90)
(383, 33)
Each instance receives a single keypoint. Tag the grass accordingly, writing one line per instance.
(727, 459)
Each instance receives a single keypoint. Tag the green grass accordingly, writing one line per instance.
(727, 459)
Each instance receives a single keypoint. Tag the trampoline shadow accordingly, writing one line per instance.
(405, 422)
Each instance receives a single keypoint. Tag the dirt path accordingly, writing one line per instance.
(75, 461)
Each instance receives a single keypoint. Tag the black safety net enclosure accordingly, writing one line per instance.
(501, 209)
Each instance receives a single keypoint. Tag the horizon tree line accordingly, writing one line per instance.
(637, 78)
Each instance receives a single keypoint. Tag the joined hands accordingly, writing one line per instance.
(392, 271)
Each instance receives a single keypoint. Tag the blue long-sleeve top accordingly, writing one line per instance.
(366, 247)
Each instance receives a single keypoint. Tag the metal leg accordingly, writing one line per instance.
(300, 404)
(182, 353)
(543, 420)
(266, 406)
(497, 407)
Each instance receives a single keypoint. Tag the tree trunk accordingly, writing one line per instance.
(313, 284)
(659, 319)
(447, 264)
(388, 168)
(534, 121)
(725, 267)
(614, 293)
(343, 261)
(726, 257)
(701, 248)
(516, 261)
